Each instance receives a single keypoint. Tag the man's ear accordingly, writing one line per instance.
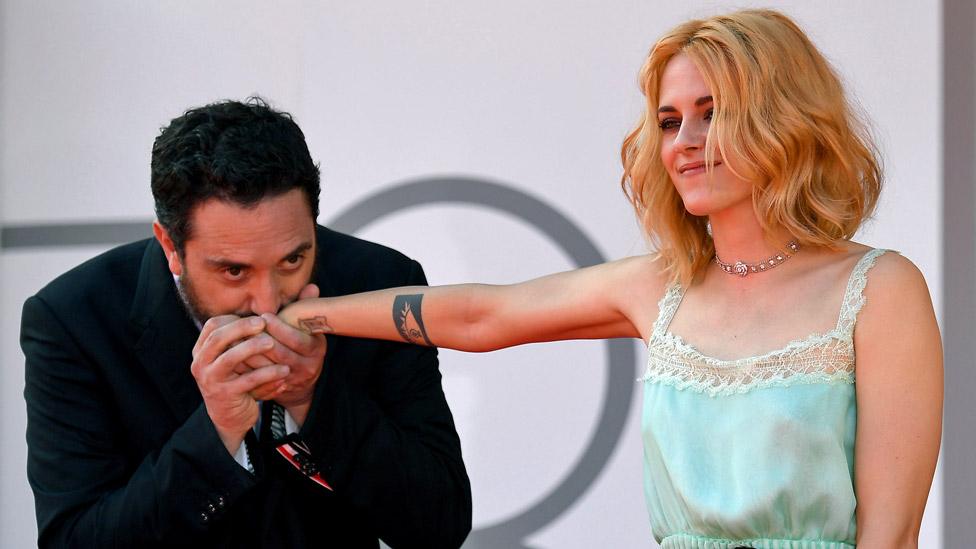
(169, 248)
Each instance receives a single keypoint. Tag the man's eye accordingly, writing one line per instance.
(294, 259)
(669, 124)
(234, 272)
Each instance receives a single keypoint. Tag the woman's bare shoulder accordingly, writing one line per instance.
(889, 274)
(890, 270)
(895, 290)
(891, 267)
(896, 276)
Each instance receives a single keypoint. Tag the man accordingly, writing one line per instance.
(169, 407)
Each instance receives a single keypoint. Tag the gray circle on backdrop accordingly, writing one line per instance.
(620, 353)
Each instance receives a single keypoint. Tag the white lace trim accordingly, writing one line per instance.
(854, 294)
(819, 358)
(666, 308)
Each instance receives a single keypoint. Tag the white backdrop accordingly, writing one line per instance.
(535, 95)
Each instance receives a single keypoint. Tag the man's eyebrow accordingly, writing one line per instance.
(304, 246)
(698, 103)
(220, 263)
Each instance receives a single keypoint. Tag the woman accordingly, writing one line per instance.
(750, 174)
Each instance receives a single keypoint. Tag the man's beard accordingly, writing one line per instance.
(199, 314)
(191, 301)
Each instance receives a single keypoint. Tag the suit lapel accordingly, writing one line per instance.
(165, 334)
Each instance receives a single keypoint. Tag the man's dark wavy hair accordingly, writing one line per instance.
(229, 150)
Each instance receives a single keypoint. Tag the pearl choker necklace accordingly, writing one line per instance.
(742, 269)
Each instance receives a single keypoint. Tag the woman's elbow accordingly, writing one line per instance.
(481, 328)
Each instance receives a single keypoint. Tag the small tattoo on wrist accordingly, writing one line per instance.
(408, 319)
(315, 325)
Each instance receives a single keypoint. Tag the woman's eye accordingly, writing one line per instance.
(709, 114)
(669, 124)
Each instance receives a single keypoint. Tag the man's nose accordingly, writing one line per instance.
(266, 296)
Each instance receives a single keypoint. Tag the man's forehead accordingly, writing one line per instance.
(274, 226)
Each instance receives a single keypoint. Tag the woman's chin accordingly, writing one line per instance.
(698, 209)
(708, 204)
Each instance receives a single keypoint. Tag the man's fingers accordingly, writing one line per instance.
(254, 362)
(256, 378)
(223, 337)
(257, 361)
(278, 353)
(232, 358)
(269, 390)
(293, 338)
(208, 327)
(310, 290)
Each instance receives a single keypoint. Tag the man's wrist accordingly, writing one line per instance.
(231, 442)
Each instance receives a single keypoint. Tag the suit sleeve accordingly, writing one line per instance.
(87, 491)
(388, 444)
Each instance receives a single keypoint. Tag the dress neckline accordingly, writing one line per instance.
(843, 331)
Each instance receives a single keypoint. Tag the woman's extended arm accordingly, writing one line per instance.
(899, 405)
(590, 303)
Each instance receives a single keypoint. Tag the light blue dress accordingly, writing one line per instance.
(756, 452)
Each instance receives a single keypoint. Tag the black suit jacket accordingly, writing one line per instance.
(122, 453)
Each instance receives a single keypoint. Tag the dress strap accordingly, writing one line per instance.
(854, 294)
(667, 307)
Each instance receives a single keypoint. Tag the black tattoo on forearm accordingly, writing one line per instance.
(408, 319)
(316, 325)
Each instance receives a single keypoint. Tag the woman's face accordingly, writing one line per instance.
(684, 115)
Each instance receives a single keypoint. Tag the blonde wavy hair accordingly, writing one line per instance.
(781, 110)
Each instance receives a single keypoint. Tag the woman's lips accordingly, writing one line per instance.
(695, 168)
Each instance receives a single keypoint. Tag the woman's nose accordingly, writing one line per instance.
(691, 135)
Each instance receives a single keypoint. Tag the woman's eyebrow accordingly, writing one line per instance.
(698, 103)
